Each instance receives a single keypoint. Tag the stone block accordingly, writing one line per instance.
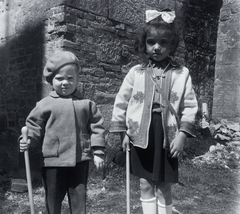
(56, 10)
(19, 185)
(89, 16)
(231, 56)
(93, 6)
(225, 14)
(127, 11)
(108, 48)
(102, 98)
(167, 4)
(82, 22)
(152, 3)
(102, 28)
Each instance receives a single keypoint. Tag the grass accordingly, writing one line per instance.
(202, 189)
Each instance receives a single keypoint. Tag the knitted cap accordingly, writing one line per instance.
(57, 61)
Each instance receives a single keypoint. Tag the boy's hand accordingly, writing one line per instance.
(99, 161)
(24, 145)
(177, 145)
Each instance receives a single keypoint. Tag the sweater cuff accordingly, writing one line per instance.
(98, 150)
(188, 128)
(116, 126)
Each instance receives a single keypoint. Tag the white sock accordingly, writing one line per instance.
(149, 205)
(164, 209)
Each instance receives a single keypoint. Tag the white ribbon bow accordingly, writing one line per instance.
(167, 16)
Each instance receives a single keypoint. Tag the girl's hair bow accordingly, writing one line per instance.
(167, 16)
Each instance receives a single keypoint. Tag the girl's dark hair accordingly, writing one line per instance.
(157, 23)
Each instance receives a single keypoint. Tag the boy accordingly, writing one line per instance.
(69, 128)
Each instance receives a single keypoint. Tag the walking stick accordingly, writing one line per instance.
(28, 172)
(128, 177)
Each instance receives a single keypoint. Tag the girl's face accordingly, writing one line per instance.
(65, 81)
(158, 44)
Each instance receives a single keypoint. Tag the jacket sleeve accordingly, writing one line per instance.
(35, 123)
(118, 121)
(97, 130)
(188, 109)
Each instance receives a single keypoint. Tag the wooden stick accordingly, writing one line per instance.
(28, 171)
(128, 177)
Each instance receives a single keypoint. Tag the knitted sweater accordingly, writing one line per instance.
(133, 104)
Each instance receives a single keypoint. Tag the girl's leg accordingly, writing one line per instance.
(148, 198)
(164, 198)
(77, 183)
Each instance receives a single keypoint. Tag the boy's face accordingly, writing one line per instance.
(66, 79)
(158, 44)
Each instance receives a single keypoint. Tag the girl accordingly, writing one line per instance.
(155, 111)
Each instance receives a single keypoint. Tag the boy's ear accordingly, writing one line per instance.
(47, 82)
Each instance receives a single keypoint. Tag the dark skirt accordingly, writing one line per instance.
(153, 162)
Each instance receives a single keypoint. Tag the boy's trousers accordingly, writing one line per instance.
(58, 181)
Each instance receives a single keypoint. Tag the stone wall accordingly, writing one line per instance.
(101, 34)
(226, 102)
(22, 38)
(200, 36)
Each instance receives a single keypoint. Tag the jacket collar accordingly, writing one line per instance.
(151, 63)
(75, 94)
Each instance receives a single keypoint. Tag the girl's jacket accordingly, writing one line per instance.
(133, 104)
(69, 129)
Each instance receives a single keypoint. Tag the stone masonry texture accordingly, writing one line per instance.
(101, 34)
(226, 100)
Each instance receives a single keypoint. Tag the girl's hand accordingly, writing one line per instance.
(177, 145)
(99, 161)
(125, 141)
(24, 145)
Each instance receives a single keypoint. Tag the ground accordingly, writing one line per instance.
(209, 183)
